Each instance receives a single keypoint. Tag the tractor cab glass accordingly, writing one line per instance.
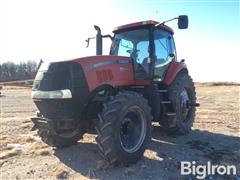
(164, 52)
(134, 44)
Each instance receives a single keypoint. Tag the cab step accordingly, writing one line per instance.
(162, 90)
(166, 102)
(170, 114)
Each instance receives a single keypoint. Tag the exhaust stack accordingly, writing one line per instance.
(98, 40)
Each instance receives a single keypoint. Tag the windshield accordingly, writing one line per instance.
(133, 44)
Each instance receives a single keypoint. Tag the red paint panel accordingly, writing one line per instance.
(174, 68)
(109, 73)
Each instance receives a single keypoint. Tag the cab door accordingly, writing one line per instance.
(165, 53)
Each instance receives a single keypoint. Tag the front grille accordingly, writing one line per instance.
(62, 75)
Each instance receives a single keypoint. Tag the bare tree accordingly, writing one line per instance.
(10, 71)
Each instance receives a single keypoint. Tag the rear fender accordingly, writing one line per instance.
(173, 69)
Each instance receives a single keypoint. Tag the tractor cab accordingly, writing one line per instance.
(151, 49)
(149, 44)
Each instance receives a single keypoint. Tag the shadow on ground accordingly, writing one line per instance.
(162, 158)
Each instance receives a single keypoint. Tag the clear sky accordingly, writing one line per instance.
(55, 30)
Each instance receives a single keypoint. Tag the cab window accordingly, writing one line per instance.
(134, 44)
(164, 52)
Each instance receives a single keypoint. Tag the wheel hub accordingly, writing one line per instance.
(133, 129)
(127, 127)
(184, 101)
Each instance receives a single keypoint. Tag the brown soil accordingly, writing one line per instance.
(215, 138)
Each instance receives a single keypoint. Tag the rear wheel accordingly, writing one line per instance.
(183, 97)
(124, 128)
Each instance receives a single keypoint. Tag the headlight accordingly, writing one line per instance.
(58, 94)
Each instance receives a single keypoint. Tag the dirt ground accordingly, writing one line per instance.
(215, 137)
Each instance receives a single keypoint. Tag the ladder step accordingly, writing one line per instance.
(162, 90)
(170, 114)
(166, 102)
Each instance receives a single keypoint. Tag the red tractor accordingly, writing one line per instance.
(121, 94)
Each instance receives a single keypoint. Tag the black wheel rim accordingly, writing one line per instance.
(184, 104)
(133, 129)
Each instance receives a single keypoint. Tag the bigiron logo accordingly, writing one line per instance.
(202, 171)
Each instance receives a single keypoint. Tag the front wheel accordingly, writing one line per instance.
(124, 128)
(57, 138)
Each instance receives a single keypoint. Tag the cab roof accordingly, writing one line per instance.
(142, 24)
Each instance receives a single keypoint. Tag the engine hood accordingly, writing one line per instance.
(90, 59)
(95, 62)
(115, 71)
(112, 70)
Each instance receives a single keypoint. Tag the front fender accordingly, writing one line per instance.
(173, 69)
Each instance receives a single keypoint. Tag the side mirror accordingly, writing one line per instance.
(183, 22)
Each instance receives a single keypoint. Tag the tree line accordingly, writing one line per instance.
(10, 71)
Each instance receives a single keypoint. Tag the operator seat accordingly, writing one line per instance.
(141, 69)
(145, 64)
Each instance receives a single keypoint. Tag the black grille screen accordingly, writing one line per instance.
(55, 78)
(62, 75)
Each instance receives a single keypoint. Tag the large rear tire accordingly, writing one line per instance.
(124, 128)
(183, 97)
